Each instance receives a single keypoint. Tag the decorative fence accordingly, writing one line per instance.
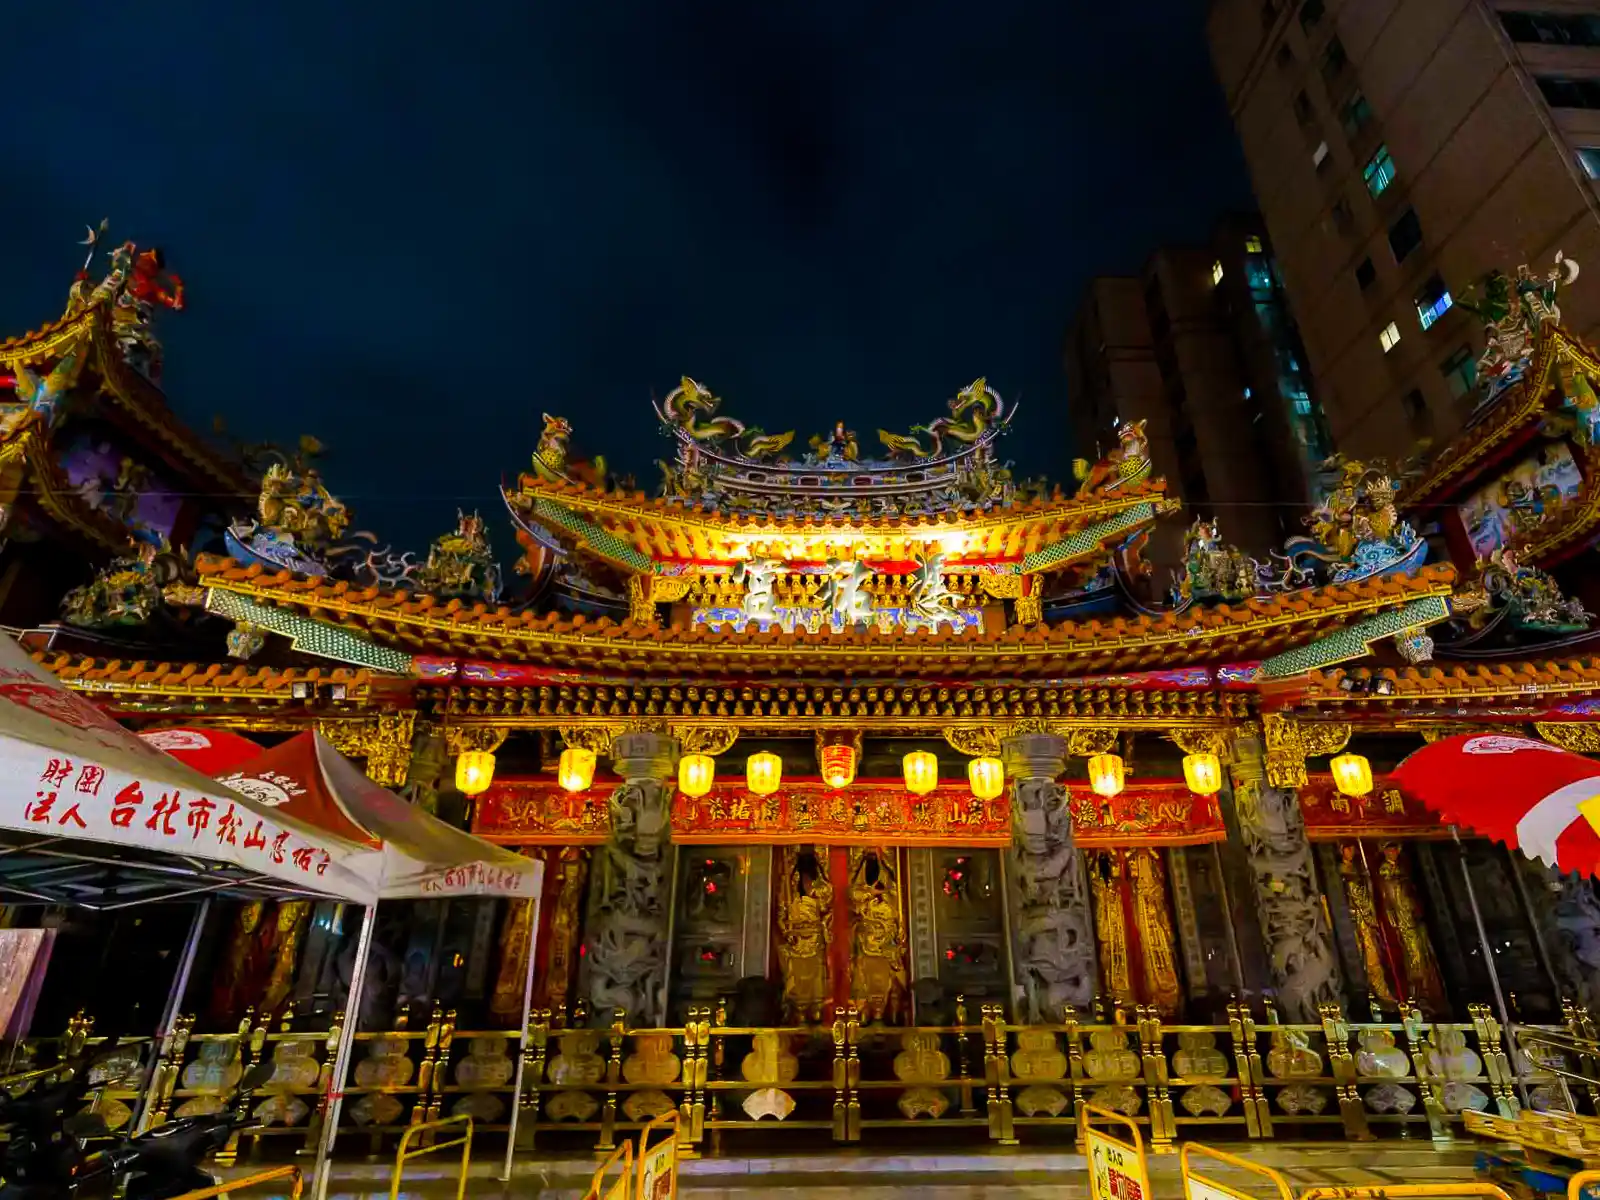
(1247, 1079)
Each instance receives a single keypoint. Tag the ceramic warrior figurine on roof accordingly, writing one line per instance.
(1125, 467)
(1512, 310)
(461, 564)
(135, 285)
(1357, 531)
(299, 520)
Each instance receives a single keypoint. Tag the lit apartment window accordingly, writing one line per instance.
(1405, 235)
(1365, 274)
(1216, 272)
(1319, 155)
(1390, 337)
(1355, 113)
(1569, 93)
(1460, 371)
(1589, 160)
(1252, 245)
(1554, 29)
(1433, 301)
(1379, 171)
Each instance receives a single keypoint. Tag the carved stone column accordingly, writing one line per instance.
(630, 890)
(1052, 931)
(1299, 944)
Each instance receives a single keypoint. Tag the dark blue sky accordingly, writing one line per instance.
(411, 228)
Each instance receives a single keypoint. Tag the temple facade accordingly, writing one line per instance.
(874, 784)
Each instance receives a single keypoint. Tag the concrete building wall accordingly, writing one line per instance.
(1200, 347)
(1493, 174)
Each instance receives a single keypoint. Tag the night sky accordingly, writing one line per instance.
(411, 228)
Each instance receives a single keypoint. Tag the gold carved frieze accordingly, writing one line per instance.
(597, 739)
(980, 742)
(1291, 742)
(1580, 737)
(384, 741)
(711, 740)
(461, 739)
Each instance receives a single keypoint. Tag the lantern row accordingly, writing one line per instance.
(1352, 773)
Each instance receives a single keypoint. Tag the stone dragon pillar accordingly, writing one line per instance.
(1294, 926)
(630, 891)
(1052, 931)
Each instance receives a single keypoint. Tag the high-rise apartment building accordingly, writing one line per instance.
(1201, 347)
(1401, 149)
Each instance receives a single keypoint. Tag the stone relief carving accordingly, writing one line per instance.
(1571, 920)
(1298, 940)
(1054, 943)
(628, 907)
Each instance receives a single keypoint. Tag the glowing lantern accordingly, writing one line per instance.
(1203, 773)
(474, 772)
(838, 764)
(987, 777)
(695, 772)
(1352, 773)
(576, 768)
(922, 772)
(763, 772)
(1105, 774)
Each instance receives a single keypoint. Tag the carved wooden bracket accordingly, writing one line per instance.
(704, 739)
(1291, 742)
(384, 741)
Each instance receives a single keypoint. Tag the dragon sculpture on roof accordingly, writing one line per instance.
(692, 409)
(975, 409)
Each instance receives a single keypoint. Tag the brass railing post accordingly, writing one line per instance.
(853, 1073)
(962, 1073)
(1419, 1046)
(1342, 1065)
(1163, 1122)
(608, 1114)
(1252, 1078)
(997, 1074)
(533, 1054)
(1491, 1048)
(841, 1088)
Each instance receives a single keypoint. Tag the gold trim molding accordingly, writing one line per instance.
(1291, 742)
(1580, 737)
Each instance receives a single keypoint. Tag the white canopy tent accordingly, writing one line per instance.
(412, 855)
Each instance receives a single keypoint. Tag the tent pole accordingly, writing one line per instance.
(169, 1015)
(522, 1044)
(341, 1057)
(1488, 961)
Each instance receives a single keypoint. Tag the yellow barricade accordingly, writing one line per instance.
(1200, 1187)
(405, 1154)
(1467, 1187)
(222, 1189)
(620, 1190)
(1117, 1169)
(658, 1163)
(1581, 1180)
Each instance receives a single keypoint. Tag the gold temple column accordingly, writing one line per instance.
(630, 893)
(1052, 930)
(1294, 925)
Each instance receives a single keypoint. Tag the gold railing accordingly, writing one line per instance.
(983, 1077)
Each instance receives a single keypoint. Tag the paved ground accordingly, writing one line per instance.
(1022, 1174)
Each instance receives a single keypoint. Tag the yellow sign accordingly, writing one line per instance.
(1116, 1171)
(1116, 1168)
(658, 1161)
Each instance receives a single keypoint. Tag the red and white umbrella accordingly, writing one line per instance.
(1530, 795)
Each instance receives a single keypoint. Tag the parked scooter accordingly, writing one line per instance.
(166, 1161)
(44, 1150)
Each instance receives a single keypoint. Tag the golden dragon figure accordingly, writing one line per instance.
(973, 412)
(692, 408)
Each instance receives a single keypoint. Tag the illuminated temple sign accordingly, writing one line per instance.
(843, 596)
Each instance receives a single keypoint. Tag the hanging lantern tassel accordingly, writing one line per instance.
(922, 772)
(474, 772)
(1203, 773)
(1105, 774)
(987, 776)
(695, 773)
(576, 768)
(1352, 774)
